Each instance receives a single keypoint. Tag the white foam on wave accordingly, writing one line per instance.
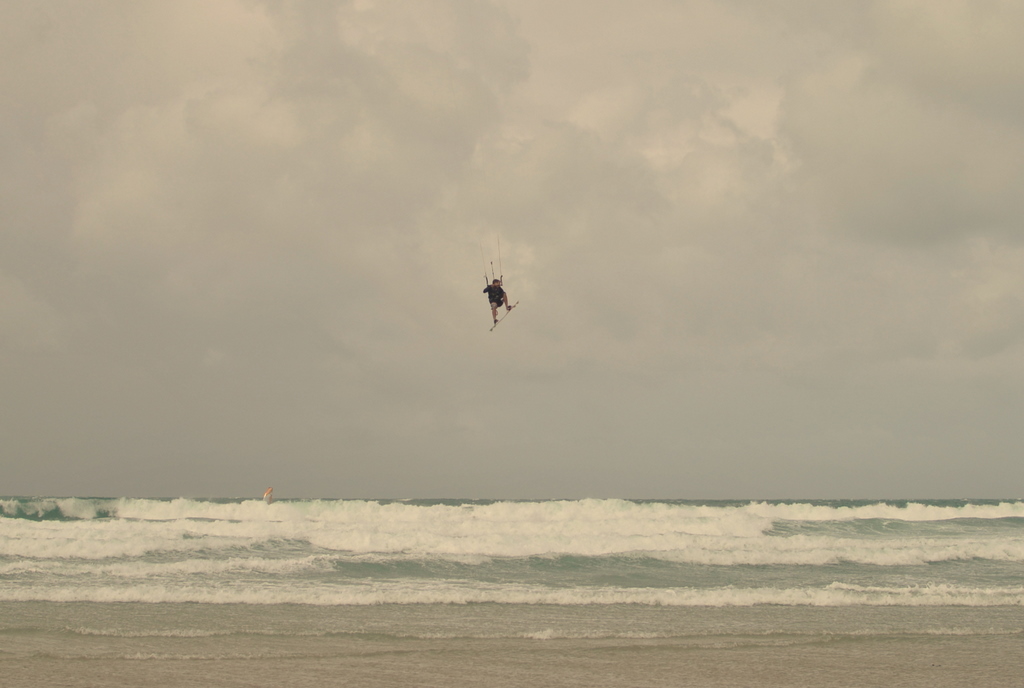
(703, 519)
(141, 569)
(724, 535)
(460, 592)
(116, 538)
(706, 519)
(823, 551)
(70, 507)
(912, 512)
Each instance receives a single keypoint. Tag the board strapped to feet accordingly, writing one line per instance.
(504, 316)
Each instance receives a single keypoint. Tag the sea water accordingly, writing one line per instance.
(111, 592)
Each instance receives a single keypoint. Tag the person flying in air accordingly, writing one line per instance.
(496, 296)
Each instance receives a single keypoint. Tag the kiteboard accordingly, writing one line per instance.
(504, 316)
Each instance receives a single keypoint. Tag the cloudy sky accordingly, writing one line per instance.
(762, 249)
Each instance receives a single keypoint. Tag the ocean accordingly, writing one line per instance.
(593, 592)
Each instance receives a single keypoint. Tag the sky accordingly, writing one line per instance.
(762, 249)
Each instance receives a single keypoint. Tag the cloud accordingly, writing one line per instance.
(243, 210)
(907, 137)
(749, 242)
(29, 325)
(955, 51)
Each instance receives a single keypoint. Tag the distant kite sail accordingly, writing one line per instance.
(268, 496)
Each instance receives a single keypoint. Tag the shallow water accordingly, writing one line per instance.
(123, 644)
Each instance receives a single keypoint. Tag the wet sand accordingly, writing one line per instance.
(929, 662)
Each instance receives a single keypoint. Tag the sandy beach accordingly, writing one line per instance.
(928, 662)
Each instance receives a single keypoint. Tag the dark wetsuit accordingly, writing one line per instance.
(496, 295)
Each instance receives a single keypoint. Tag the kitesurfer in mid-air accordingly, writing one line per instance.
(497, 296)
